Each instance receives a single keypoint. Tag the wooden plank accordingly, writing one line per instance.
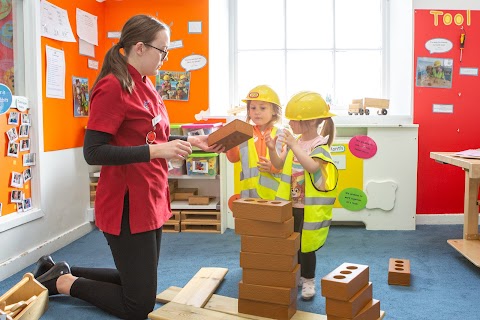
(230, 306)
(200, 288)
(178, 311)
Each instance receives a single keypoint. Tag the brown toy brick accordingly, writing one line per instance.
(288, 246)
(399, 272)
(264, 228)
(265, 261)
(349, 309)
(370, 312)
(267, 310)
(184, 193)
(345, 281)
(272, 278)
(275, 295)
(231, 134)
(262, 210)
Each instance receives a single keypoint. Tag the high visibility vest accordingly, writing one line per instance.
(253, 183)
(318, 204)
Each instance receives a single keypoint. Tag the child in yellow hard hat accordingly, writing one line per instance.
(258, 176)
(308, 172)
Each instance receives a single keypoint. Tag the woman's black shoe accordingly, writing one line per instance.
(49, 278)
(43, 265)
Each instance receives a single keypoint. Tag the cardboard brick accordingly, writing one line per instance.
(288, 246)
(264, 228)
(370, 312)
(272, 278)
(231, 134)
(184, 193)
(349, 309)
(265, 261)
(267, 310)
(399, 272)
(262, 210)
(276, 295)
(345, 281)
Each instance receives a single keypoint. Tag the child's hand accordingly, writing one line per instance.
(288, 138)
(264, 165)
(270, 142)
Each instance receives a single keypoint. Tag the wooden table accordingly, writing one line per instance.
(469, 246)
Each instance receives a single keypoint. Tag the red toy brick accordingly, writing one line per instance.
(399, 272)
(288, 246)
(262, 210)
(345, 281)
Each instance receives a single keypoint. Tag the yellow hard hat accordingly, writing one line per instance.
(166, 77)
(437, 63)
(307, 105)
(183, 77)
(263, 93)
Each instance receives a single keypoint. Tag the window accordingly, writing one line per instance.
(334, 47)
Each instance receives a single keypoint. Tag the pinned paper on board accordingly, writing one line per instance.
(193, 62)
(352, 199)
(362, 147)
(173, 85)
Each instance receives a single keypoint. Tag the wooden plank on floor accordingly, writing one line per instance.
(200, 288)
(230, 306)
(178, 311)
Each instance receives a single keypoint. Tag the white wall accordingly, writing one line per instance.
(447, 4)
(60, 184)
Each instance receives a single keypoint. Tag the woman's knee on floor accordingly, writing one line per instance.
(139, 310)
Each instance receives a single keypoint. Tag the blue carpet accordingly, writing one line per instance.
(444, 284)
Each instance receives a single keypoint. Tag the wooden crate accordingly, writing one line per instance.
(200, 215)
(93, 193)
(171, 226)
(201, 226)
(23, 291)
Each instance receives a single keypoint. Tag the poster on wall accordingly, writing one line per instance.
(434, 72)
(173, 85)
(80, 96)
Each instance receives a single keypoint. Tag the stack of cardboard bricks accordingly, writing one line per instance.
(348, 294)
(268, 256)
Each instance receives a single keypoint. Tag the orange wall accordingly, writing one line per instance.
(60, 128)
(177, 14)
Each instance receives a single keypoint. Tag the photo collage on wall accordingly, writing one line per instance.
(19, 126)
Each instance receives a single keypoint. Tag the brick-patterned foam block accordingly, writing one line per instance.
(345, 281)
(262, 210)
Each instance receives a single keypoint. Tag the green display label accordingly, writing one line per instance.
(353, 199)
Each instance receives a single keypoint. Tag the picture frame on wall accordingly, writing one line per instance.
(173, 85)
(81, 98)
(434, 72)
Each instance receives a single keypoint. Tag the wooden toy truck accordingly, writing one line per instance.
(360, 106)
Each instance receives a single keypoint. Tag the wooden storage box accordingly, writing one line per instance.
(232, 134)
(24, 290)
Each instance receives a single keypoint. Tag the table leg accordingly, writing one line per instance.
(470, 224)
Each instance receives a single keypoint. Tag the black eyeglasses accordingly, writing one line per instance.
(164, 52)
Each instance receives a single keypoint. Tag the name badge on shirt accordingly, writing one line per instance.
(156, 120)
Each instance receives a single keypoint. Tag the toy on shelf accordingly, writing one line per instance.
(360, 106)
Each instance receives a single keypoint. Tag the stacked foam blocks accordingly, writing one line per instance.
(349, 294)
(268, 257)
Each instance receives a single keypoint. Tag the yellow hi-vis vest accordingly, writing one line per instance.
(318, 203)
(253, 183)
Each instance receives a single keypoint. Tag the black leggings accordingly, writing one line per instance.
(307, 260)
(129, 291)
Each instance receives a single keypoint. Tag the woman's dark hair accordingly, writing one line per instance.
(139, 28)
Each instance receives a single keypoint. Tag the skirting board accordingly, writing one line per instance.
(439, 219)
(15, 264)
